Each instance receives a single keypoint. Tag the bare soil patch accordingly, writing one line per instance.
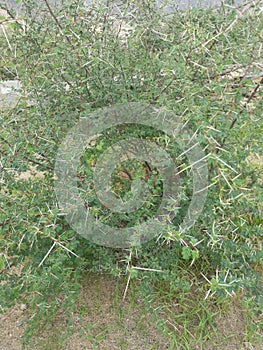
(102, 321)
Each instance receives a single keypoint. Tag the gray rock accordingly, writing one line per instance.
(9, 93)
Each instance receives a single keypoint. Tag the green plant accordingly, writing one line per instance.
(202, 65)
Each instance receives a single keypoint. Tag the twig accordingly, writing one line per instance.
(155, 98)
(253, 93)
(6, 38)
(45, 257)
(69, 41)
(126, 288)
(129, 266)
(145, 269)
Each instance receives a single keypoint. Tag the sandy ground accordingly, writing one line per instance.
(98, 322)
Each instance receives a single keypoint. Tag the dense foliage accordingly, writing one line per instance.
(203, 65)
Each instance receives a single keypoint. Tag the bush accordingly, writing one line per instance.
(204, 66)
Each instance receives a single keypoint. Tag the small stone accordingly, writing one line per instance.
(23, 307)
